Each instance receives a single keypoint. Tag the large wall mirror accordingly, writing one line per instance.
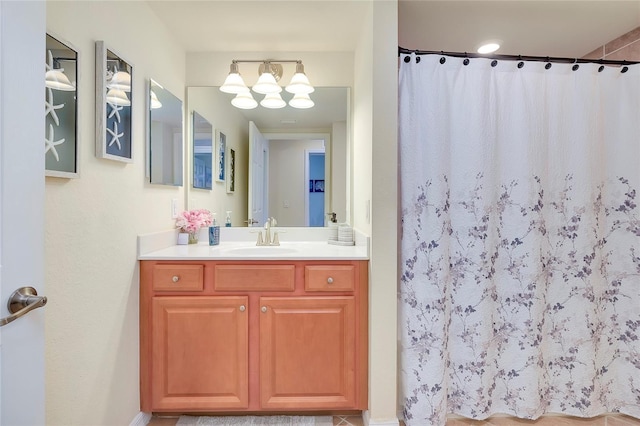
(165, 136)
(297, 171)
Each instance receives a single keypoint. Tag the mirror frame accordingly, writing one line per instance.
(71, 148)
(103, 149)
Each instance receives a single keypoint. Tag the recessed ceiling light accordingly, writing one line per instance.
(488, 47)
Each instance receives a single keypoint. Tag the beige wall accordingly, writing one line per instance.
(625, 47)
(374, 163)
(92, 223)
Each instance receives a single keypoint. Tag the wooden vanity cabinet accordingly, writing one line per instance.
(285, 336)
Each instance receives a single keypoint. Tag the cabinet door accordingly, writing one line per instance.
(200, 353)
(307, 352)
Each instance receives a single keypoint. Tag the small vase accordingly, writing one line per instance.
(193, 237)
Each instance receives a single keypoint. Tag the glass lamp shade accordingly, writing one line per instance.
(244, 100)
(56, 79)
(273, 101)
(117, 97)
(266, 84)
(155, 102)
(121, 80)
(302, 101)
(299, 84)
(234, 84)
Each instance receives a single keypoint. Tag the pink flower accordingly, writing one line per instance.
(192, 220)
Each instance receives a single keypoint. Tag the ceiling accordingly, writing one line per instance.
(538, 28)
(547, 28)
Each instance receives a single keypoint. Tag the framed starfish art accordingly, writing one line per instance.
(60, 110)
(113, 105)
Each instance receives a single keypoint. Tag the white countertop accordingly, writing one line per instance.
(241, 246)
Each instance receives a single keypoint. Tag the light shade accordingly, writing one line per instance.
(121, 80)
(299, 82)
(117, 97)
(273, 101)
(244, 100)
(234, 82)
(56, 79)
(155, 102)
(266, 83)
(302, 101)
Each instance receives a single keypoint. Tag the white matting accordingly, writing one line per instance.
(255, 421)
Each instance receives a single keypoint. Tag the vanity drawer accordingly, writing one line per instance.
(254, 277)
(329, 277)
(178, 277)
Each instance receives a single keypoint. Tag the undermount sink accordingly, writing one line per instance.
(260, 251)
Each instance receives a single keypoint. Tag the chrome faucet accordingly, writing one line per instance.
(268, 241)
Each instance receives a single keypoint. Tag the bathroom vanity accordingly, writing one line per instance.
(237, 328)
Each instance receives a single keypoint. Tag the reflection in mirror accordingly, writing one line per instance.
(113, 105)
(165, 136)
(202, 132)
(287, 143)
(60, 143)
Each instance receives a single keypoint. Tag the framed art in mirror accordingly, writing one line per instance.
(202, 132)
(231, 171)
(221, 149)
(113, 105)
(61, 109)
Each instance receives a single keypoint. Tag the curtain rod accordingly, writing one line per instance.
(402, 50)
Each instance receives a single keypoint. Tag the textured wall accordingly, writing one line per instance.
(625, 47)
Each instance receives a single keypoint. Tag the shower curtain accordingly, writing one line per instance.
(520, 260)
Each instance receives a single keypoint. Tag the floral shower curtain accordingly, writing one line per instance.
(520, 287)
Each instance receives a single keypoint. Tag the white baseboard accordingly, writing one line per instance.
(142, 419)
(366, 419)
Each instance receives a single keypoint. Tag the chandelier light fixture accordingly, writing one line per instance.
(269, 73)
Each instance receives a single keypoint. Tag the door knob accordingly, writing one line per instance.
(22, 301)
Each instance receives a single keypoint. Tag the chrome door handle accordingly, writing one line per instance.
(22, 301)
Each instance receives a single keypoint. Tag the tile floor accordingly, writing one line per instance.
(617, 420)
(337, 421)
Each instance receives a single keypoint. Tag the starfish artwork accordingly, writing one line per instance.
(50, 144)
(115, 136)
(115, 111)
(50, 107)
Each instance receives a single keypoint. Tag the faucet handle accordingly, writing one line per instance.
(260, 241)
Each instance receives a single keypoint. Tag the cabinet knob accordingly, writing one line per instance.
(175, 279)
(330, 280)
(242, 308)
(263, 309)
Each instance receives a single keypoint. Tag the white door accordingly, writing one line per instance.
(22, 59)
(257, 184)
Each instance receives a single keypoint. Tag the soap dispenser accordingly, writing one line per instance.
(214, 232)
(227, 221)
